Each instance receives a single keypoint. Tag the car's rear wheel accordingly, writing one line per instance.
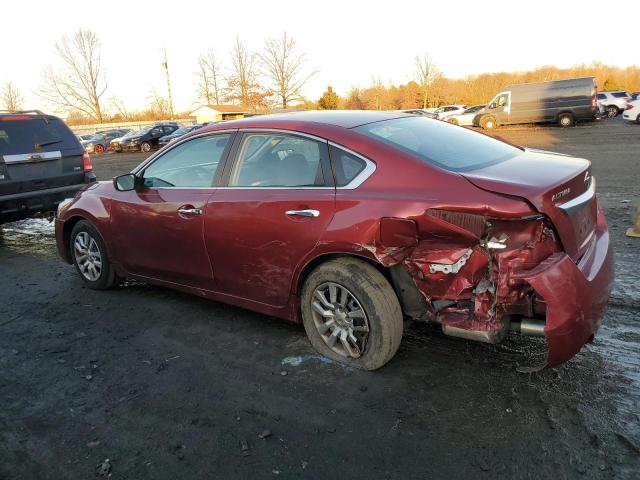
(638, 119)
(488, 122)
(612, 111)
(565, 120)
(351, 313)
(145, 147)
(98, 149)
(90, 257)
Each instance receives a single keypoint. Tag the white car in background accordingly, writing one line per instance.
(632, 112)
(442, 113)
(466, 117)
(613, 102)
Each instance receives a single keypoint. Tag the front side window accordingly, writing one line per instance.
(191, 164)
(440, 143)
(279, 160)
(502, 100)
(601, 96)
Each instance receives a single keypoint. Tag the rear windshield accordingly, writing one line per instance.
(30, 134)
(440, 143)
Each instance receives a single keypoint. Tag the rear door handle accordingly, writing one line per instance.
(304, 213)
(189, 212)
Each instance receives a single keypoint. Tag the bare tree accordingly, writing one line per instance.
(157, 106)
(282, 64)
(210, 90)
(243, 80)
(11, 97)
(78, 82)
(426, 74)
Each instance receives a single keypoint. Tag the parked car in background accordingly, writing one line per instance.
(426, 112)
(347, 221)
(632, 112)
(635, 95)
(614, 102)
(101, 141)
(466, 117)
(178, 133)
(146, 139)
(41, 164)
(444, 112)
(560, 101)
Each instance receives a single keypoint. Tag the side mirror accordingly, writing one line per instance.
(125, 183)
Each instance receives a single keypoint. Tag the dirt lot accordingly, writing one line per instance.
(166, 385)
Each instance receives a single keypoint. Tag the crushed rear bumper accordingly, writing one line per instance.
(576, 295)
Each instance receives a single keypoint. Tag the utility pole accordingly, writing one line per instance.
(166, 72)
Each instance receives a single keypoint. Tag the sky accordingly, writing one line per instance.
(347, 42)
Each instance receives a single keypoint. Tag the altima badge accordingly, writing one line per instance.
(560, 194)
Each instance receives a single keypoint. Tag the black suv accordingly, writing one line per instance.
(144, 140)
(41, 164)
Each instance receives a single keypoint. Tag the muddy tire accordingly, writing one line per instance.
(565, 120)
(90, 258)
(357, 299)
(488, 122)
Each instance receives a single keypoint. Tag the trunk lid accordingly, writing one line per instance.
(557, 185)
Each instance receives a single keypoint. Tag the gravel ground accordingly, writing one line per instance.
(166, 385)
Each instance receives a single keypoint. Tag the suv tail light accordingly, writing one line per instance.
(86, 163)
(593, 101)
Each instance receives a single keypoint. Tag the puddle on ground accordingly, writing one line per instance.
(34, 235)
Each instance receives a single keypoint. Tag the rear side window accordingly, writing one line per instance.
(30, 134)
(346, 166)
(601, 96)
(191, 164)
(440, 143)
(620, 94)
(277, 160)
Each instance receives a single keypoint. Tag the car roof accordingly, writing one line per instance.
(339, 118)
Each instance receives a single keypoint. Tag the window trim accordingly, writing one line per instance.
(140, 169)
(234, 158)
(366, 172)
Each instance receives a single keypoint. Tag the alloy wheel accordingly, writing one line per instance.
(340, 319)
(87, 256)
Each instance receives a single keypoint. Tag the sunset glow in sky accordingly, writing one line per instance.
(347, 42)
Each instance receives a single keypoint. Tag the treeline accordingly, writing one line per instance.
(471, 89)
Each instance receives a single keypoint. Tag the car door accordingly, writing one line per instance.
(278, 201)
(157, 228)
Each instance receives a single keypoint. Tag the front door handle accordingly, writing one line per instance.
(189, 211)
(304, 213)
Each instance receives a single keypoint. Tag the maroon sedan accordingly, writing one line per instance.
(350, 221)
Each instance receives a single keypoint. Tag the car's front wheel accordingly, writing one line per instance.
(145, 147)
(453, 121)
(90, 257)
(351, 313)
(488, 122)
(98, 149)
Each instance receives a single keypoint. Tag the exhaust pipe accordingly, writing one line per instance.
(529, 327)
